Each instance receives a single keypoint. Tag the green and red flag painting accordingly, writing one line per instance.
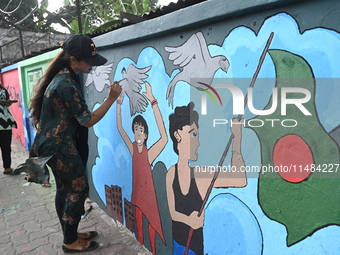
(299, 180)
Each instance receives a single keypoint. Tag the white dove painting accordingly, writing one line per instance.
(131, 85)
(197, 64)
(99, 77)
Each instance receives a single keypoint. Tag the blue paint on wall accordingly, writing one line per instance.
(230, 227)
(319, 46)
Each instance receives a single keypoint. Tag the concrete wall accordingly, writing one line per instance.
(287, 201)
(10, 80)
(30, 71)
(19, 80)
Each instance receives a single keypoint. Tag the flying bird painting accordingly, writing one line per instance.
(99, 77)
(197, 65)
(131, 85)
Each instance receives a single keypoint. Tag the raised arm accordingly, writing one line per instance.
(121, 130)
(98, 114)
(158, 146)
(237, 177)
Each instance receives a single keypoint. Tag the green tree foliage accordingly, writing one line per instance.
(24, 14)
(99, 15)
(96, 15)
(104, 14)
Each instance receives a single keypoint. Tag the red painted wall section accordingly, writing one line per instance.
(10, 80)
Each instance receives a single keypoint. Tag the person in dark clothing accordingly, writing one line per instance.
(59, 113)
(6, 124)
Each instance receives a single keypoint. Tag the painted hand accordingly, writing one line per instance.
(236, 126)
(148, 94)
(196, 221)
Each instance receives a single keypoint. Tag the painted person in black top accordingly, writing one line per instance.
(187, 204)
(185, 191)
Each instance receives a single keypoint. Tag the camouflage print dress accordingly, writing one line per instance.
(63, 110)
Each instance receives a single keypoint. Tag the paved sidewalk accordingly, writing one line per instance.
(29, 224)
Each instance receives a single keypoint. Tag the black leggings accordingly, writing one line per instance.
(5, 144)
(69, 231)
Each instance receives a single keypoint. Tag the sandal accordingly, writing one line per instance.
(10, 172)
(93, 245)
(92, 235)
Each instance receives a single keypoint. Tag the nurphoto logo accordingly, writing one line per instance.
(283, 97)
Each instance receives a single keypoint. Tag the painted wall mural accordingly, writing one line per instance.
(30, 71)
(32, 77)
(196, 63)
(10, 80)
(276, 144)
